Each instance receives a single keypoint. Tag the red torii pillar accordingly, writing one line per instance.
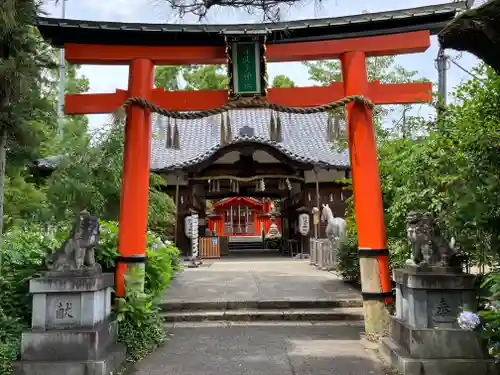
(135, 179)
(372, 244)
(352, 52)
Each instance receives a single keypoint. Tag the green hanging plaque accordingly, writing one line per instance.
(246, 70)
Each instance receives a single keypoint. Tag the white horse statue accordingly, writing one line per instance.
(336, 228)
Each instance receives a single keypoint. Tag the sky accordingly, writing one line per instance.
(105, 79)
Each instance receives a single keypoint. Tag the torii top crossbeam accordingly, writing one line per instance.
(430, 18)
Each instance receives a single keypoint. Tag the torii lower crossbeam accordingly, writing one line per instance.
(78, 104)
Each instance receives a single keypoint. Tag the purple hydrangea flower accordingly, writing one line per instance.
(468, 320)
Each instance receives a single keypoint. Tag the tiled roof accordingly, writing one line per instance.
(432, 18)
(304, 139)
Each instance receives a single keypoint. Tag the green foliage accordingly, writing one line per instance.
(348, 260)
(22, 59)
(202, 77)
(107, 250)
(24, 250)
(163, 261)
(195, 77)
(10, 341)
(451, 169)
(89, 177)
(491, 314)
(140, 323)
(26, 201)
(282, 81)
(383, 69)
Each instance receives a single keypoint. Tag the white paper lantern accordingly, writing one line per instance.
(304, 224)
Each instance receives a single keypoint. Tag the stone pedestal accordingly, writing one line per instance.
(425, 338)
(72, 331)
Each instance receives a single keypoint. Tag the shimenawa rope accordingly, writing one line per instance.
(254, 102)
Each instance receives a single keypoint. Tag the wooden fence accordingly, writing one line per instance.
(213, 247)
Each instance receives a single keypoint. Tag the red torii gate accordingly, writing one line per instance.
(352, 53)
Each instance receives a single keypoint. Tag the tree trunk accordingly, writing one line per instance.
(3, 151)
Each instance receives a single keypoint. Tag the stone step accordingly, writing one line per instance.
(328, 314)
(263, 323)
(245, 245)
(171, 305)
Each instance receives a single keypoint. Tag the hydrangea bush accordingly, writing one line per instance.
(487, 321)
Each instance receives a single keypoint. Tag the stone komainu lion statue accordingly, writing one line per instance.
(428, 247)
(77, 252)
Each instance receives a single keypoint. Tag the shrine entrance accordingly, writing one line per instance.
(280, 110)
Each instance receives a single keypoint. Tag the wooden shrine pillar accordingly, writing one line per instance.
(135, 180)
(373, 253)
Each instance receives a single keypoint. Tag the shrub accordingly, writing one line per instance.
(10, 340)
(23, 255)
(107, 250)
(348, 260)
(140, 323)
(163, 260)
(348, 257)
(491, 315)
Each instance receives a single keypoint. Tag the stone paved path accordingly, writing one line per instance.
(260, 348)
(257, 279)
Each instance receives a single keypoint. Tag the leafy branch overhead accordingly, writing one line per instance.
(271, 9)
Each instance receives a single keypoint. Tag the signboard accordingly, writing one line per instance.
(214, 240)
(304, 224)
(246, 68)
(188, 226)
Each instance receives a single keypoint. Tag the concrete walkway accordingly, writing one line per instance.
(257, 279)
(260, 348)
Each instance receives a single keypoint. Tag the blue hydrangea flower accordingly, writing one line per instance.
(468, 320)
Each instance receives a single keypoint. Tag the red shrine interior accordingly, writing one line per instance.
(242, 216)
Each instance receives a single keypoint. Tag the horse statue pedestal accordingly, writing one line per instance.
(324, 250)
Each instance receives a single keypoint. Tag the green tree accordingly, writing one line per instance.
(453, 170)
(198, 77)
(167, 77)
(205, 77)
(25, 199)
(282, 81)
(383, 69)
(89, 177)
(22, 60)
(202, 77)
